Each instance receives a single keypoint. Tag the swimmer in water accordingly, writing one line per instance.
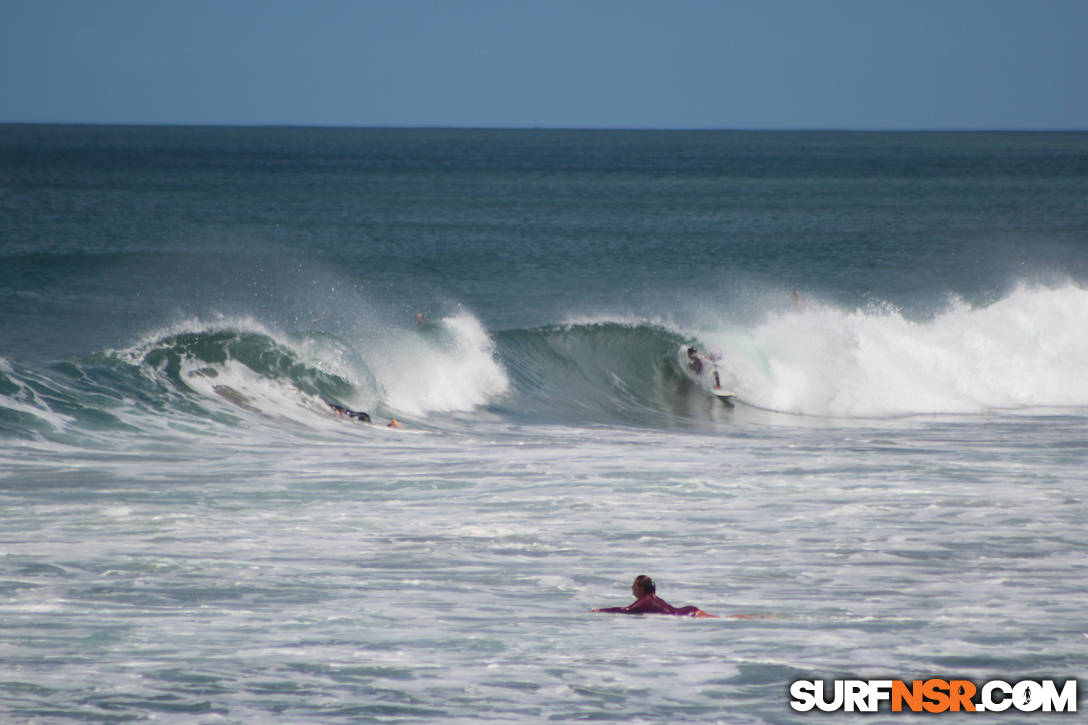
(647, 602)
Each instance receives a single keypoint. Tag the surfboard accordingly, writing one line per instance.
(726, 396)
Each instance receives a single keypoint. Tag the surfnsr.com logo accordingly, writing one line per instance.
(933, 695)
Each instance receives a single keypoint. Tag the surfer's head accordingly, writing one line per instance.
(692, 352)
(643, 585)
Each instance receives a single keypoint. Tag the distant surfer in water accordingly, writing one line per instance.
(353, 414)
(358, 415)
(697, 361)
(647, 602)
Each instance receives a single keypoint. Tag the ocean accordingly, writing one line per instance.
(188, 533)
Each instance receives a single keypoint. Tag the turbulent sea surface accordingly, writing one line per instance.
(189, 534)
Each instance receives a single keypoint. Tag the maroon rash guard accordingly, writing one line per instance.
(653, 604)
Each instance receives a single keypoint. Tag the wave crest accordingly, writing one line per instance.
(1024, 352)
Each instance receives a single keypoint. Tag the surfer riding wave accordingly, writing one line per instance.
(698, 361)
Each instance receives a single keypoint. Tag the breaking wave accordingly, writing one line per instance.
(1025, 352)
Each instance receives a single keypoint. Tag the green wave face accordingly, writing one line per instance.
(197, 377)
(600, 373)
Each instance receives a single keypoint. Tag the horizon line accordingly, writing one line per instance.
(456, 127)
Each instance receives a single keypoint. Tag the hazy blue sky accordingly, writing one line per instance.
(858, 64)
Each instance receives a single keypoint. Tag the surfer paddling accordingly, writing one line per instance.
(358, 415)
(698, 361)
(343, 412)
(647, 602)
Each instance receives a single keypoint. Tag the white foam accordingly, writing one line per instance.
(241, 390)
(456, 371)
(1025, 350)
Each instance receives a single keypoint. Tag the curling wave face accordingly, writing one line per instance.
(1021, 352)
(206, 375)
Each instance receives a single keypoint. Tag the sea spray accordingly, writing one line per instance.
(1022, 351)
(442, 366)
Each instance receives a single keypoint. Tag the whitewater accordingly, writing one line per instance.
(188, 533)
(889, 496)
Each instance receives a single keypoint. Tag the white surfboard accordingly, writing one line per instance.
(726, 396)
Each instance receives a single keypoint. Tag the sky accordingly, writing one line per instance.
(763, 64)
